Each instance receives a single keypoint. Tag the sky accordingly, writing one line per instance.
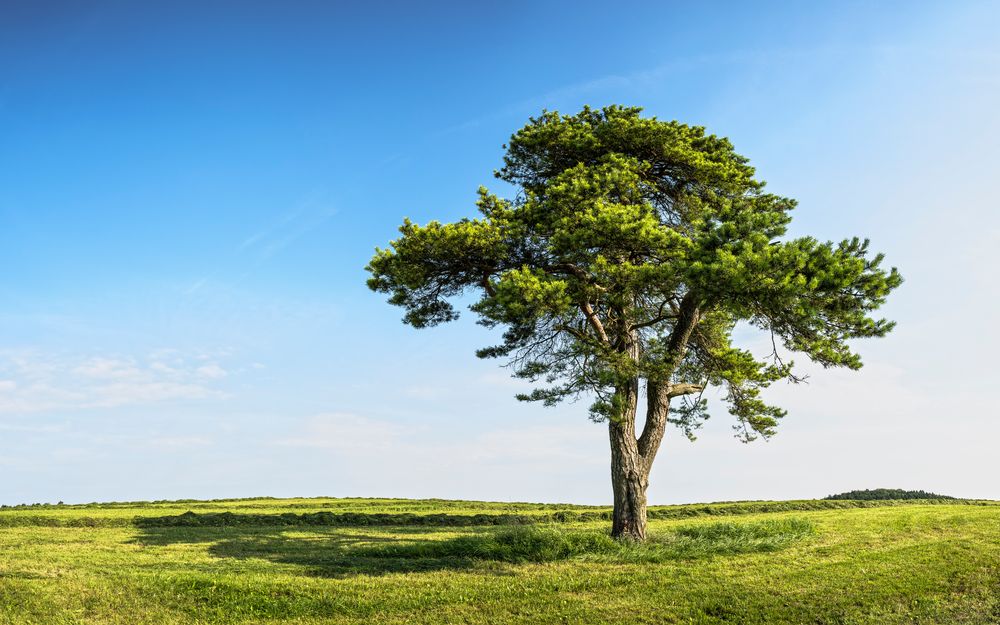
(189, 193)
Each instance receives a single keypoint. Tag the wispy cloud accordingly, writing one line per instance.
(288, 227)
(34, 381)
(177, 443)
(269, 240)
(618, 83)
(33, 429)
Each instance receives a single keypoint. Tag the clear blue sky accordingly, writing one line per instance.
(189, 193)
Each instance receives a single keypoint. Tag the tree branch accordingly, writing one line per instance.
(580, 273)
(687, 318)
(658, 393)
(485, 283)
(595, 323)
(676, 390)
(652, 322)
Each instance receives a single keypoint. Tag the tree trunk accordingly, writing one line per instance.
(631, 457)
(629, 481)
(629, 475)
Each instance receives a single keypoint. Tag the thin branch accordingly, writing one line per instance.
(580, 273)
(795, 379)
(652, 322)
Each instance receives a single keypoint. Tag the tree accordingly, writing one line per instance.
(630, 253)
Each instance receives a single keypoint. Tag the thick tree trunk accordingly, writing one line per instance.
(629, 480)
(628, 471)
(632, 457)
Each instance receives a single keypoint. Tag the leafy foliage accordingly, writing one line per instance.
(633, 249)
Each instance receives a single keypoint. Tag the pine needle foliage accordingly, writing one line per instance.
(631, 251)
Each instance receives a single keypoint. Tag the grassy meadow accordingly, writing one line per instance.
(432, 561)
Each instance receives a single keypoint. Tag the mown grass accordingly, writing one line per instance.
(356, 512)
(916, 563)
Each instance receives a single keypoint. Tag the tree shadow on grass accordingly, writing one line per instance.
(344, 552)
(343, 556)
(324, 551)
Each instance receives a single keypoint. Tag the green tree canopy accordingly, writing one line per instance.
(631, 251)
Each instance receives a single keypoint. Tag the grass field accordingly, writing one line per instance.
(431, 561)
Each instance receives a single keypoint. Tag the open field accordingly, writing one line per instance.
(402, 561)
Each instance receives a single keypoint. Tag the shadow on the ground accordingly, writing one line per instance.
(321, 551)
(340, 551)
(355, 519)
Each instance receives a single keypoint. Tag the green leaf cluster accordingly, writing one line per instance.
(631, 252)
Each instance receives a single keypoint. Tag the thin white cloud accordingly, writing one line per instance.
(33, 429)
(425, 392)
(271, 239)
(179, 443)
(109, 369)
(41, 382)
(257, 248)
(626, 82)
(211, 370)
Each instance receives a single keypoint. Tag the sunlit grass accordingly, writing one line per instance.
(889, 564)
(548, 543)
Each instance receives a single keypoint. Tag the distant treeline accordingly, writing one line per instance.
(886, 493)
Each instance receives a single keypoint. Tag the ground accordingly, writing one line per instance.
(400, 561)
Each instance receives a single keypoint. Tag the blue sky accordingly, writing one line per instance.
(189, 193)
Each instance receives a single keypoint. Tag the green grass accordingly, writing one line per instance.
(399, 561)
(548, 543)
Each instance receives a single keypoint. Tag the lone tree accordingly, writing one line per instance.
(630, 253)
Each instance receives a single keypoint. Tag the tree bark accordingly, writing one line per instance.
(631, 456)
(629, 480)
(629, 477)
(657, 407)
